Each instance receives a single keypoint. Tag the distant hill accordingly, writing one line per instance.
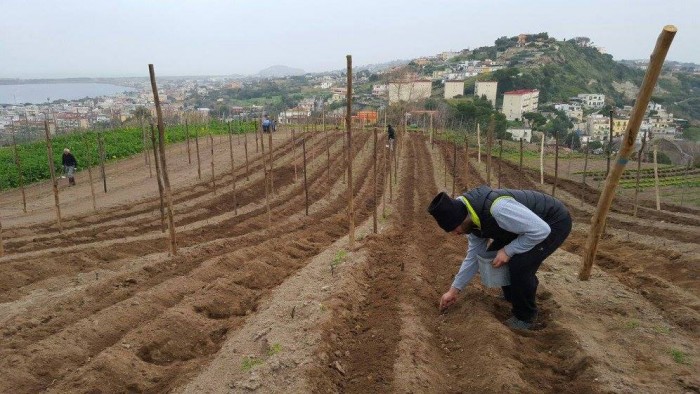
(562, 69)
(280, 71)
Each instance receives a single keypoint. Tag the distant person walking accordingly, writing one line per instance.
(392, 136)
(69, 164)
(267, 124)
(523, 226)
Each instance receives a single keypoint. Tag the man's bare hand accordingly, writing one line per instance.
(448, 298)
(501, 258)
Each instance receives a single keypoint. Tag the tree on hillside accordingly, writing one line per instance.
(536, 119)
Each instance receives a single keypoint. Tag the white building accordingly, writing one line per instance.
(409, 91)
(592, 100)
(573, 111)
(517, 134)
(488, 89)
(518, 102)
(454, 89)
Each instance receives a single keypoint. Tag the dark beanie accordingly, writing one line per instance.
(448, 212)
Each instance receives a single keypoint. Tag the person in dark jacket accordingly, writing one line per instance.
(69, 165)
(392, 136)
(523, 226)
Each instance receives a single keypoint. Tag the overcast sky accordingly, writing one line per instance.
(78, 38)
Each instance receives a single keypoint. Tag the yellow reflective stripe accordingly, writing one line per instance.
(472, 213)
(496, 200)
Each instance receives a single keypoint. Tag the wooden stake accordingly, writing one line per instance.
(163, 164)
(18, 163)
(585, 172)
(542, 160)
(49, 151)
(489, 145)
(454, 167)
(348, 125)
(245, 148)
(88, 160)
(656, 180)
(610, 137)
(466, 161)
(306, 188)
(556, 162)
(196, 145)
(272, 166)
(213, 175)
(500, 159)
(233, 169)
(101, 149)
(159, 177)
(294, 155)
(187, 136)
(328, 159)
(478, 143)
(375, 202)
(520, 165)
(652, 74)
(639, 168)
(2, 248)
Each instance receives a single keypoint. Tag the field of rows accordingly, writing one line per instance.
(277, 301)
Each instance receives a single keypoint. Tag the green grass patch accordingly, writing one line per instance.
(680, 357)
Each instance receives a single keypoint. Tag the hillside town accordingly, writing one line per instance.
(449, 76)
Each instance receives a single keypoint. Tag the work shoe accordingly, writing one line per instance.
(516, 323)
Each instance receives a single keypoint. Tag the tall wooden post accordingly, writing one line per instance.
(272, 166)
(159, 177)
(542, 160)
(656, 180)
(53, 176)
(375, 202)
(454, 167)
(610, 137)
(489, 145)
(294, 154)
(466, 161)
(328, 159)
(187, 137)
(18, 164)
(500, 159)
(520, 165)
(556, 162)
(101, 149)
(163, 164)
(306, 187)
(478, 143)
(652, 74)
(348, 126)
(245, 148)
(233, 169)
(585, 172)
(196, 145)
(88, 160)
(639, 168)
(213, 175)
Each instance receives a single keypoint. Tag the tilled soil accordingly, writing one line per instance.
(265, 301)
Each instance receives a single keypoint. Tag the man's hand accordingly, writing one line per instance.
(501, 258)
(448, 298)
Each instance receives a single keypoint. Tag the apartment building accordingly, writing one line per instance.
(592, 100)
(409, 91)
(454, 89)
(488, 89)
(518, 102)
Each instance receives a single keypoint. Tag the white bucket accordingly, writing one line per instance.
(491, 276)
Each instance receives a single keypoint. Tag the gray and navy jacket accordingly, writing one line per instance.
(516, 220)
